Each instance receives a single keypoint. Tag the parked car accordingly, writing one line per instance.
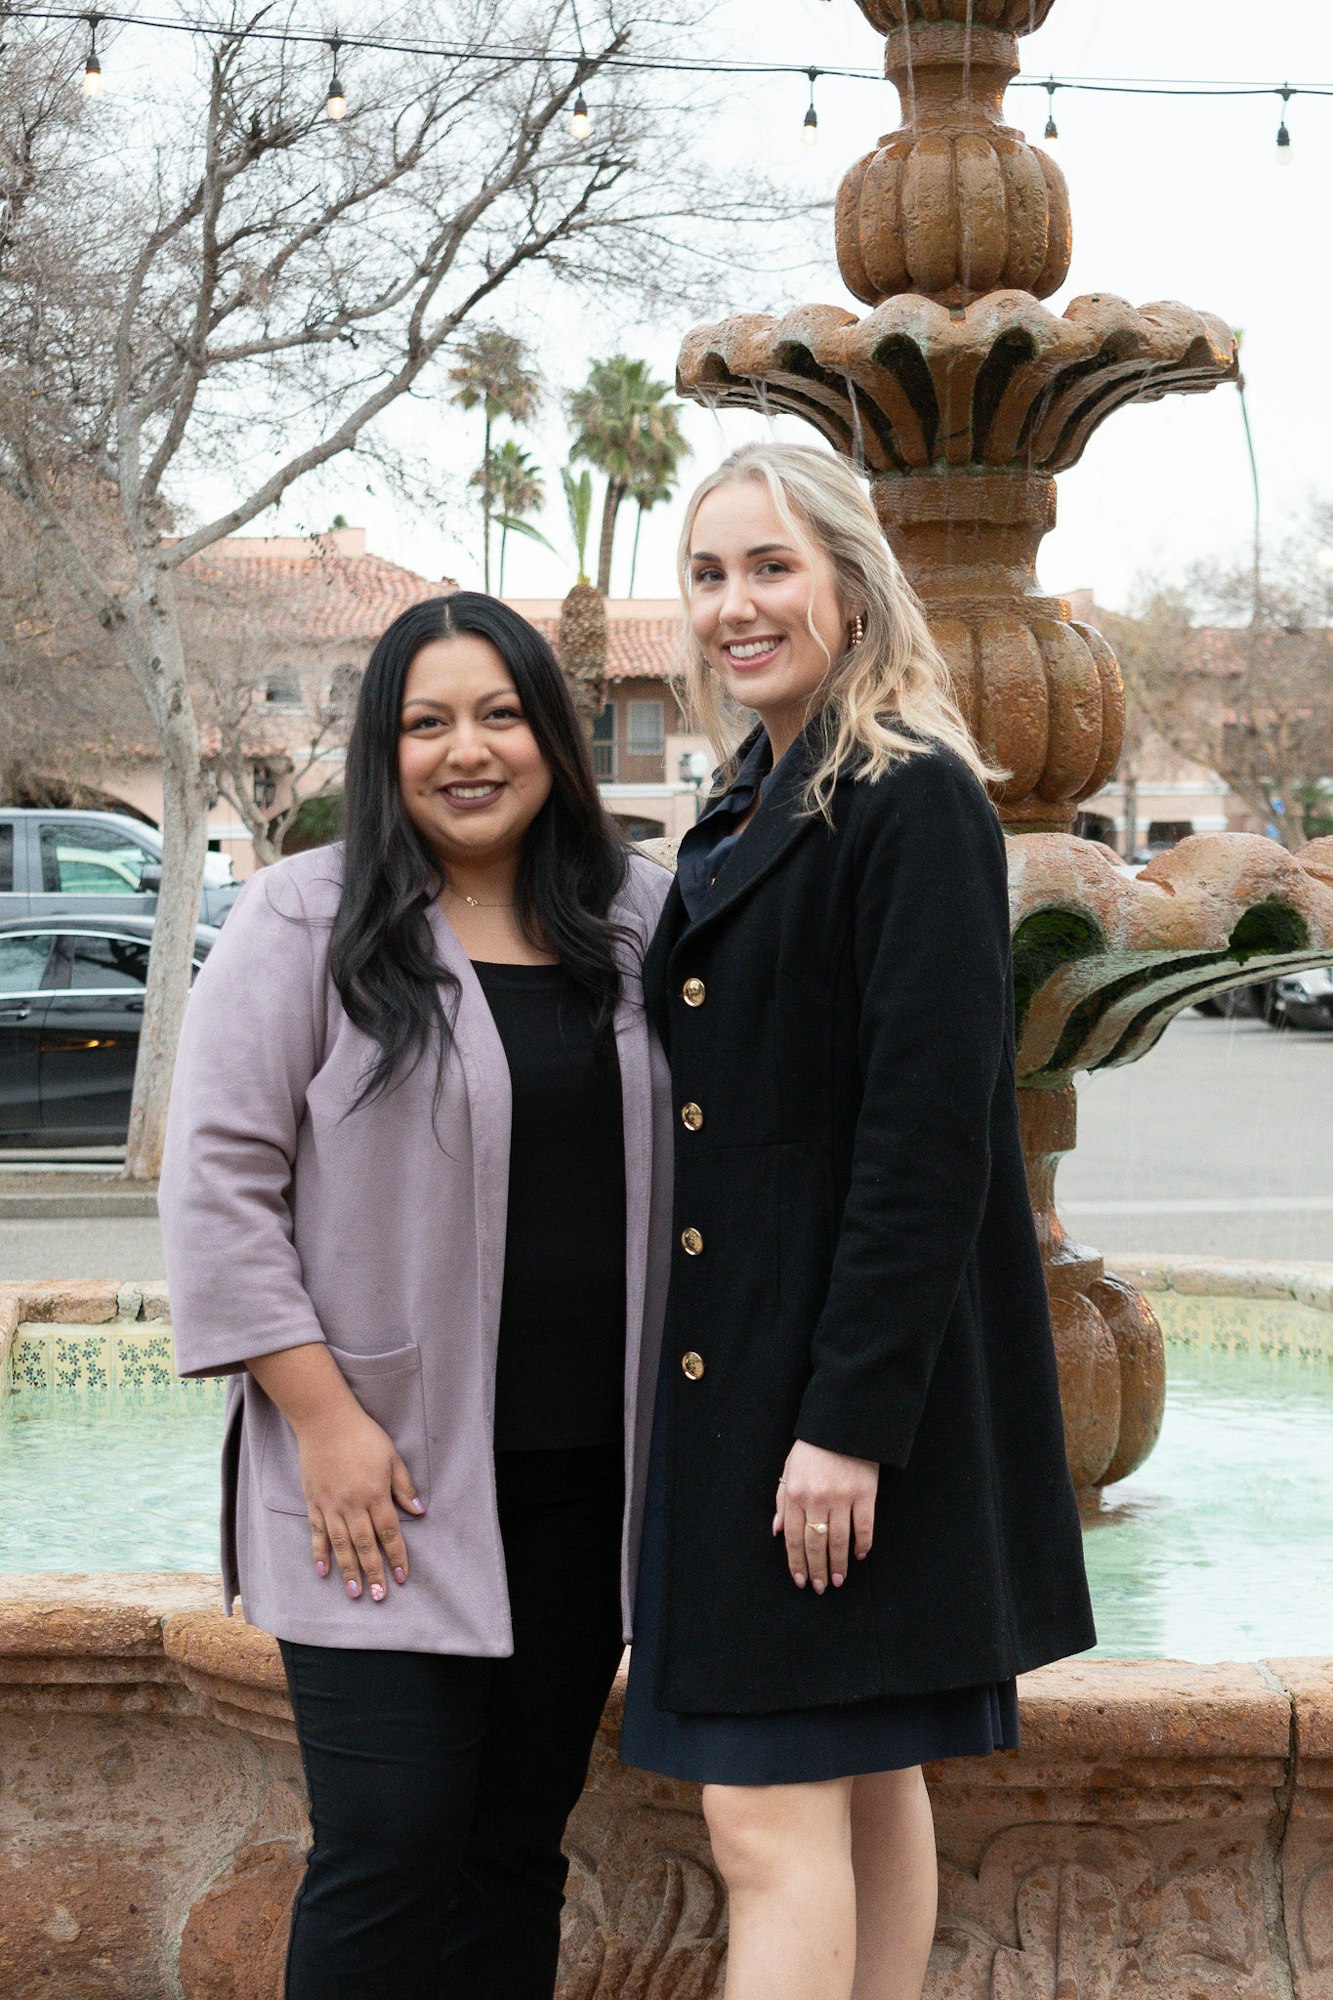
(71, 1000)
(1303, 999)
(93, 864)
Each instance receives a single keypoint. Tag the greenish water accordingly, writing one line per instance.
(1220, 1548)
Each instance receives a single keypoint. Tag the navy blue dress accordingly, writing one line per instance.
(795, 1746)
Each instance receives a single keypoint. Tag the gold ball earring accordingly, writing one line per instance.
(858, 631)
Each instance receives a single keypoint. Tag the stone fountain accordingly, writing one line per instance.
(1166, 1831)
(961, 396)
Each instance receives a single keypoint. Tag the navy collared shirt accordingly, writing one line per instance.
(706, 848)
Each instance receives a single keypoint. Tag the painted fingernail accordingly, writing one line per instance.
(321, 1569)
(799, 1581)
(400, 1576)
(838, 1580)
(417, 1506)
(377, 1592)
(353, 1587)
(819, 1586)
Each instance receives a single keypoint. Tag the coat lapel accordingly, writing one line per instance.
(481, 1056)
(775, 829)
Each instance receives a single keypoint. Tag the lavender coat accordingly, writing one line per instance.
(288, 1218)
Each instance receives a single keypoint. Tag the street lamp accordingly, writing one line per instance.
(691, 770)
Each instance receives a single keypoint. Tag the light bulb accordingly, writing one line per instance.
(810, 128)
(580, 124)
(1050, 139)
(337, 104)
(92, 76)
(1283, 145)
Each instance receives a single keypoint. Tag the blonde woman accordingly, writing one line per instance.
(860, 1523)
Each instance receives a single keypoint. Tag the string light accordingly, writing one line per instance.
(1051, 136)
(617, 58)
(336, 107)
(810, 124)
(580, 124)
(92, 69)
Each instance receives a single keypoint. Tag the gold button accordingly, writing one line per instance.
(693, 1364)
(692, 992)
(691, 1242)
(691, 1117)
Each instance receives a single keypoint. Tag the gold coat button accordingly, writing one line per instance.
(691, 1242)
(693, 1364)
(692, 992)
(691, 1117)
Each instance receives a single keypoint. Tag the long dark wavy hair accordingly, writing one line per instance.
(382, 957)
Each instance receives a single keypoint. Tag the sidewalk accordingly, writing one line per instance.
(73, 1192)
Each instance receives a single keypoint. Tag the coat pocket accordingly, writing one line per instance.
(388, 1387)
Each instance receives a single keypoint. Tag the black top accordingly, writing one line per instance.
(560, 1372)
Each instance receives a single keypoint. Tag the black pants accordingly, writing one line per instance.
(440, 1785)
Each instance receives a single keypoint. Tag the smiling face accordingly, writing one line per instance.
(471, 772)
(755, 593)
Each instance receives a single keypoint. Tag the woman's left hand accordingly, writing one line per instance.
(825, 1510)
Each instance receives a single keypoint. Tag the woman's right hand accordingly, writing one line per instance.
(354, 1483)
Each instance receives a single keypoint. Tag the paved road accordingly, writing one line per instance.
(1220, 1141)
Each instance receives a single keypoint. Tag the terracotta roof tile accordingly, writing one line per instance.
(636, 648)
(333, 596)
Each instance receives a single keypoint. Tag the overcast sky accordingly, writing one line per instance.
(1170, 200)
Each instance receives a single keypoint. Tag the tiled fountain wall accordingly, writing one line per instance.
(1166, 1832)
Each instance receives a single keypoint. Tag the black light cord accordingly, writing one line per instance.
(706, 65)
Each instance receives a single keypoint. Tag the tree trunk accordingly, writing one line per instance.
(486, 506)
(634, 552)
(504, 537)
(615, 493)
(1130, 784)
(158, 658)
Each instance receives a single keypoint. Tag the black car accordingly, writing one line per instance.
(71, 1000)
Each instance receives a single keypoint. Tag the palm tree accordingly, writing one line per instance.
(623, 426)
(581, 641)
(492, 374)
(654, 483)
(515, 487)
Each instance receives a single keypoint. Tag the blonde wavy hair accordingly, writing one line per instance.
(894, 680)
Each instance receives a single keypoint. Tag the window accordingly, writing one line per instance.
(6, 859)
(22, 963)
(645, 729)
(264, 788)
(344, 688)
(282, 689)
(604, 744)
(104, 963)
(91, 860)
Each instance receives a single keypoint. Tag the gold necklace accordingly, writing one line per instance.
(472, 902)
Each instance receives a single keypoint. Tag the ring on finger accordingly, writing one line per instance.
(820, 1527)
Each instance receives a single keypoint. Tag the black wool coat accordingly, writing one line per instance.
(854, 1257)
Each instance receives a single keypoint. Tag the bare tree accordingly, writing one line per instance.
(256, 725)
(224, 282)
(69, 708)
(1250, 697)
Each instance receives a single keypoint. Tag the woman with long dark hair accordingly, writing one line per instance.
(415, 1204)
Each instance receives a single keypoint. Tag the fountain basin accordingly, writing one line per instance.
(1165, 1832)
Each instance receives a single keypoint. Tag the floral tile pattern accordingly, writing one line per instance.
(1246, 1326)
(100, 1361)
